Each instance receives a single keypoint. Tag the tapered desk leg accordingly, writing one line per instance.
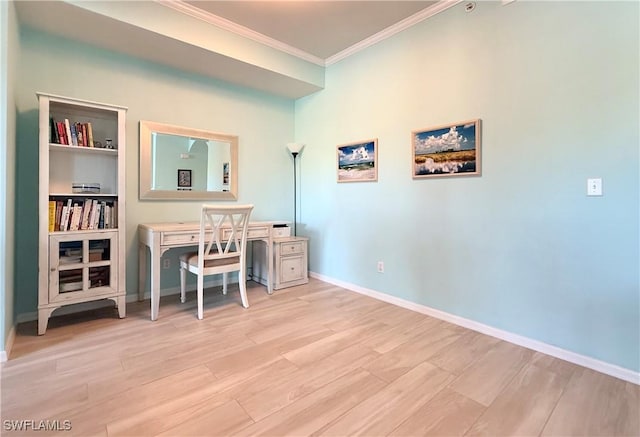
(269, 266)
(142, 270)
(156, 254)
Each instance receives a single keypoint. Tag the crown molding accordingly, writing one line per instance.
(230, 26)
(392, 30)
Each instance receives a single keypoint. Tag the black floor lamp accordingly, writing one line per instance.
(295, 149)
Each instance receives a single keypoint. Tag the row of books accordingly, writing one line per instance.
(71, 280)
(82, 214)
(71, 134)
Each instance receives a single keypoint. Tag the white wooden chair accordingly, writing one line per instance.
(221, 249)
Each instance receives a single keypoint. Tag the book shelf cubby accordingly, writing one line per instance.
(81, 204)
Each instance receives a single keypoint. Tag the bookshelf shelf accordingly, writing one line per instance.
(85, 260)
(81, 149)
(66, 195)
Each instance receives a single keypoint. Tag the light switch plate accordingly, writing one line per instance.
(594, 187)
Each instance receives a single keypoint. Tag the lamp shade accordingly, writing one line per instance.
(295, 147)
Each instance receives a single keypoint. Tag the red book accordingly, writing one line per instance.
(62, 133)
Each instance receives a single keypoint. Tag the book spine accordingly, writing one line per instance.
(59, 205)
(78, 133)
(67, 129)
(86, 208)
(74, 135)
(101, 221)
(92, 214)
(52, 215)
(65, 218)
(65, 225)
(53, 131)
(107, 216)
(90, 133)
(62, 137)
(73, 217)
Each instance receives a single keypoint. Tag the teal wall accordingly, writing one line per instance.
(520, 248)
(263, 123)
(9, 48)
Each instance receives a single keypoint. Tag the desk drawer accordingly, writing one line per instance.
(281, 232)
(181, 238)
(252, 233)
(292, 247)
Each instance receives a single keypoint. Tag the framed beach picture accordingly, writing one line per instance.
(449, 150)
(358, 162)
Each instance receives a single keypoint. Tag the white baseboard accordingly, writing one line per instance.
(554, 351)
(4, 355)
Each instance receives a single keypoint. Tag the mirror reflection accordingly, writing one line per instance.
(184, 163)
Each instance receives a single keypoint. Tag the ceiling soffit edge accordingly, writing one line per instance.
(243, 31)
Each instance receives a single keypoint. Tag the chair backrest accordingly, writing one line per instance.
(223, 232)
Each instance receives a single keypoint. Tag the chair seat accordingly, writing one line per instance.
(191, 258)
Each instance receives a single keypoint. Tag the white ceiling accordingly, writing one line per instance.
(312, 33)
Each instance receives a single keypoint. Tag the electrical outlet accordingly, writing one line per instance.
(380, 267)
(166, 263)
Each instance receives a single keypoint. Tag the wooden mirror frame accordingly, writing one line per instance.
(146, 191)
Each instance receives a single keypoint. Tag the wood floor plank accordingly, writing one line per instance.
(405, 357)
(596, 404)
(524, 405)
(306, 380)
(467, 349)
(332, 344)
(164, 416)
(392, 405)
(210, 419)
(447, 414)
(484, 381)
(399, 333)
(96, 415)
(315, 410)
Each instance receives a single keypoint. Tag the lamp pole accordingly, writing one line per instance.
(295, 192)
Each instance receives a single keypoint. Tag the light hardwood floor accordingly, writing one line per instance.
(309, 360)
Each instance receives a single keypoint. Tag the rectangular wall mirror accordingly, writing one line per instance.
(179, 163)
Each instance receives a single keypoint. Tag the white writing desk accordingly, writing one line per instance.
(160, 237)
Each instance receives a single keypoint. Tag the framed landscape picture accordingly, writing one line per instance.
(358, 162)
(450, 150)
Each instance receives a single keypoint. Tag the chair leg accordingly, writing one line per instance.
(183, 281)
(242, 283)
(200, 297)
(224, 283)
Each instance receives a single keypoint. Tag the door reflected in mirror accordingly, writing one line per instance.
(183, 163)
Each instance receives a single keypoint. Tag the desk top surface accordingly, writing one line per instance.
(190, 226)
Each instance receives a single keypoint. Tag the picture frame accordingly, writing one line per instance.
(447, 150)
(357, 161)
(225, 173)
(184, 179)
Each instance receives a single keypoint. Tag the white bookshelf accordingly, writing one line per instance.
(88, 263)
